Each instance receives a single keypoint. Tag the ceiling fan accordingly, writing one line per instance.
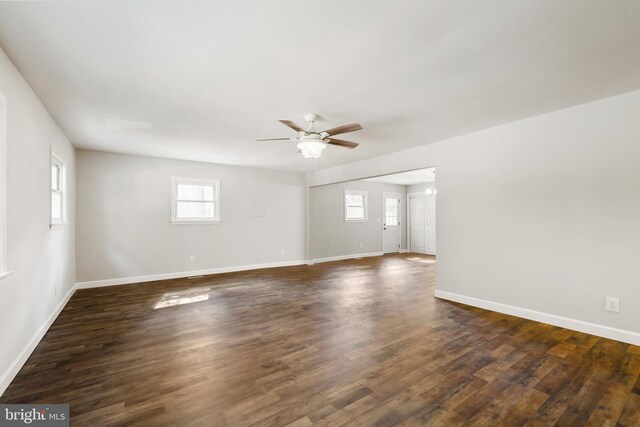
(311, 142)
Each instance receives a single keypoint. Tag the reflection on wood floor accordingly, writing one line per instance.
(357, 342)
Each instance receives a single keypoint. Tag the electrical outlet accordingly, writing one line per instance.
(192, 259)
(613, 304)
(361, 245)
(281, 251)
(55, 289)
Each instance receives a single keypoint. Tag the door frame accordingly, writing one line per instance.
(384, 218)
(409, 196)
(427, 199)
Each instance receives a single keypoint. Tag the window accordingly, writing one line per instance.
(57, 191)
(355, 205)
(392, 206)
(195, 201)
(3, 185)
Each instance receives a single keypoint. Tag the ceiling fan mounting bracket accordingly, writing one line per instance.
(311, 117)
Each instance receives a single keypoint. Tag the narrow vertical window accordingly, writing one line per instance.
(57, 191)
(392, 206)
(3, 185)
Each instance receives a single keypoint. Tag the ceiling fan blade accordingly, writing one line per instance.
(292, 125)
(273, 139)
(342, 143)
(343, 129)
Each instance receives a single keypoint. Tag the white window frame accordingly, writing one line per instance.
(175, 181)
(4, 271)
(365, 205)
(55, 223)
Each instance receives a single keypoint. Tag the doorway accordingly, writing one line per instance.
(421, 216)
(391, 225)
(367, 217)
(417, 241)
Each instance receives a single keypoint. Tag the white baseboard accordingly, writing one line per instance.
(342, 257)
(182, 274)
(551, 319)
(404, 251)
(13, 370)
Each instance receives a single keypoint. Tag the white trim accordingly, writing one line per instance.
(13, 370)
(341, 257)
(58, 225)
(551, 319)
(404, 251)
(3, 186)
(429, 198)
(195, 222)
(215, 183)
(365, 205)
(182, 274)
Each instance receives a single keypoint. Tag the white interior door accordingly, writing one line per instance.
(391, 225)
(417, 223)
(430, 224)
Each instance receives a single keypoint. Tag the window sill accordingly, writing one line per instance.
(183, 222)
(58, 225)
(356, 220)
(4, 274)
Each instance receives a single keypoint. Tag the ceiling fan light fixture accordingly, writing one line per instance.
(311, 148)
(312, 143)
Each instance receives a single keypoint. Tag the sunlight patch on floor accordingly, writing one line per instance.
(422, 260)
(171, 299)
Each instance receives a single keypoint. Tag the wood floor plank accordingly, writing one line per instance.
(354, 342)
(631, 412)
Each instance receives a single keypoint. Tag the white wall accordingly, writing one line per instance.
(541, 214)
(42, 261)
(124, 229)
(421, 188)
(331, 236)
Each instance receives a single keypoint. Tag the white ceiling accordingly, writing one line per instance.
(419, 176)
(201, 80)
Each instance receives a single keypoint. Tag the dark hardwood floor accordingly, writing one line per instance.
(359, 342)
